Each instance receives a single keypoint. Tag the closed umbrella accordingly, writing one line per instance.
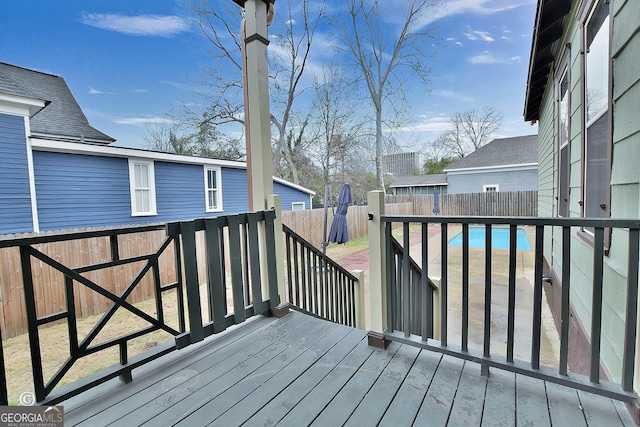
(339, 232)
(436, 201)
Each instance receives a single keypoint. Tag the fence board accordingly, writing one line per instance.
(310, 223)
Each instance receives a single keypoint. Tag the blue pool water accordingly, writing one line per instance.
(499, 238)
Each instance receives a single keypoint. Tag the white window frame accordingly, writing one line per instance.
(487, 188)
(589, 208)
(217, 190)
(564, 138)
(134, 187)
(294, 204)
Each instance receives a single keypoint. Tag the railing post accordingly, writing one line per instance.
(359, 302)
(436, 308)
(274, 202)
(377, 270)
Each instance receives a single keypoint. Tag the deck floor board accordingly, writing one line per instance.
(299, 370)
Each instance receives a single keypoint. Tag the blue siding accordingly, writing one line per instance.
(180, 192)
(80, 191)
(289, 195)
(15, 198)
(235, 190)
(523, 180)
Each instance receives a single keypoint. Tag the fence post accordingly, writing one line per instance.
(360, 303)
(274, 202)
(377, 270)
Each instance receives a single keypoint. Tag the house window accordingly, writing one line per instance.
(596, 108)
(564, 162)
(213, 189)
(142, 188)
(297, 206)
(492, 188)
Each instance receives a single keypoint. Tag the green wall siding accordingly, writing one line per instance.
(625, 176)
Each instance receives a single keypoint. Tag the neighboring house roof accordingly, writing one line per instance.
(420, 180)
(62, 118)
(515, 151)
(549, 26)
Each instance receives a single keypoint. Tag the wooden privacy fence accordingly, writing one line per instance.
(49, 283)
(310, 223)
(513, 203)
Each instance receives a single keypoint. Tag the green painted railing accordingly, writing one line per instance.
(236, 268)
(316, 284)
(602, 235)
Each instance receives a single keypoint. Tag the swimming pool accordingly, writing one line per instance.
(499, 238)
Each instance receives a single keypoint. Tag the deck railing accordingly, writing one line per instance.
(318, 285)
(400, 302)
(237, 283)
(417, 307)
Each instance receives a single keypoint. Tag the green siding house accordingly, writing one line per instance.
(584, 91)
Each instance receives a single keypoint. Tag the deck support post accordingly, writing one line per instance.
(377, 271)
(256, 97)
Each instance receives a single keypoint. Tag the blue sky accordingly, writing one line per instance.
(128, 62)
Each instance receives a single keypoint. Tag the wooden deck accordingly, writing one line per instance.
(299, 370)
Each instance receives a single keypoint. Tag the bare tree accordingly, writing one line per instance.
(385, 42)
(334, 122)
(219, 23)
(290, 56)
(470, 130)
(292, 33)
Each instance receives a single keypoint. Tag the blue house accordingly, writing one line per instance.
(58, 172)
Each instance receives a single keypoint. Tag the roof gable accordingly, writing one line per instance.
(519, 150)
(62, 118)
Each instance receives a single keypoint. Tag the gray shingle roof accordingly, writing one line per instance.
(517, 150)
(420, 180)
(62, 118)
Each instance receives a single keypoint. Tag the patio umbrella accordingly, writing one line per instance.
(436, 201)
(339, 232)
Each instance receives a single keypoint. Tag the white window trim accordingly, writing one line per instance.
(303, 204)
(565, 73)
(487, 186)
(152, 187)
(218, 171)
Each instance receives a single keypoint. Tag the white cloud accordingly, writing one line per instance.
(141, 25)
(94, 91)
(428, 124)
(487, 57)
(142, 121)
(454, 95)
(476, 7)
(479, 35)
